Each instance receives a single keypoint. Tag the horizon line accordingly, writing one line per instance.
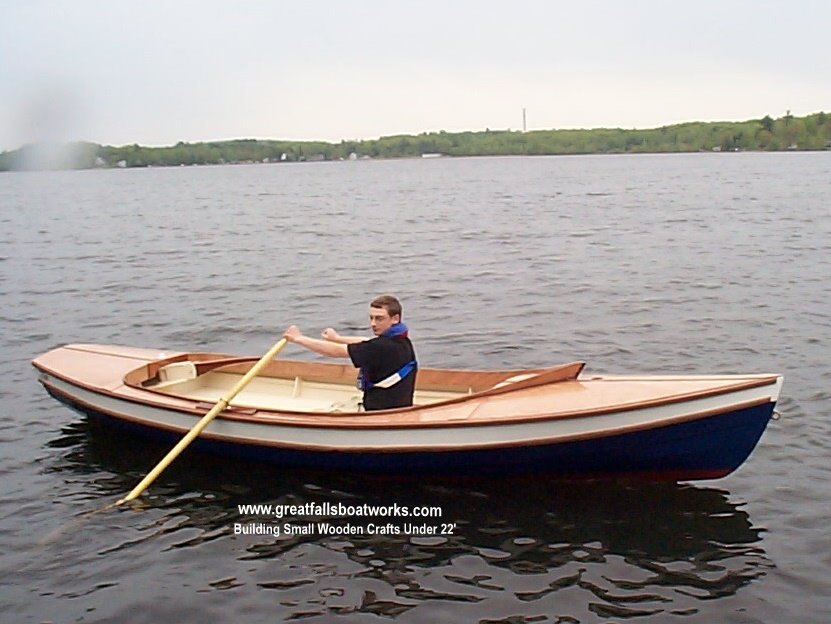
(385, 136)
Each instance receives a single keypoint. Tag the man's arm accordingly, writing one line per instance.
(323, 347)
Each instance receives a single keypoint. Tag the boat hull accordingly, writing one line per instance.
(706, 447)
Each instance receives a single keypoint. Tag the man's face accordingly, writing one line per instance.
(380, 320)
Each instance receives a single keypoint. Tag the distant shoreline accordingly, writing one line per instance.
(787, 133)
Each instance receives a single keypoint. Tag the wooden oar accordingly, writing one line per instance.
(203, 422)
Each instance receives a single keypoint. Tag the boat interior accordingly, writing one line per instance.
(288, 385)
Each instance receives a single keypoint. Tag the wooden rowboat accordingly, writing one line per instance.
(553, 421)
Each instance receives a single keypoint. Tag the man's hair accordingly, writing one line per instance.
(389, 303)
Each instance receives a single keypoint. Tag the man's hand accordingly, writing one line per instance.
(330, 334)
(292, 333)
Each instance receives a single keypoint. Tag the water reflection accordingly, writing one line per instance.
(519, 548)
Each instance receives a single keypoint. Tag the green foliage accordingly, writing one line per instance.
(812, 132)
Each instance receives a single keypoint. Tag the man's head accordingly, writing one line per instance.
(384, 312)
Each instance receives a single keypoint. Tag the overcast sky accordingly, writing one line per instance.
(154, 73)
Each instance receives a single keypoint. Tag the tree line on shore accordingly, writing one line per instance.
(811, 132)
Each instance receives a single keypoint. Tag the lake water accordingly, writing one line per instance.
(692, 263)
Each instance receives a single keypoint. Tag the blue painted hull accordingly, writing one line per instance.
(705, 448)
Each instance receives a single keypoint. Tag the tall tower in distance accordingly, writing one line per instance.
(524, 125)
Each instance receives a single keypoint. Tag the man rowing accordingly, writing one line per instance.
(387, 362)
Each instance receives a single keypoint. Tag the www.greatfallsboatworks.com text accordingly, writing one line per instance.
(313, 519)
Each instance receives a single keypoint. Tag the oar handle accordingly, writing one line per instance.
(203, 422)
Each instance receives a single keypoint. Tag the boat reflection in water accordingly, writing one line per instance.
(515, 549)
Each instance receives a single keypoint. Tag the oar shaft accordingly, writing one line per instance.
(203, 422)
